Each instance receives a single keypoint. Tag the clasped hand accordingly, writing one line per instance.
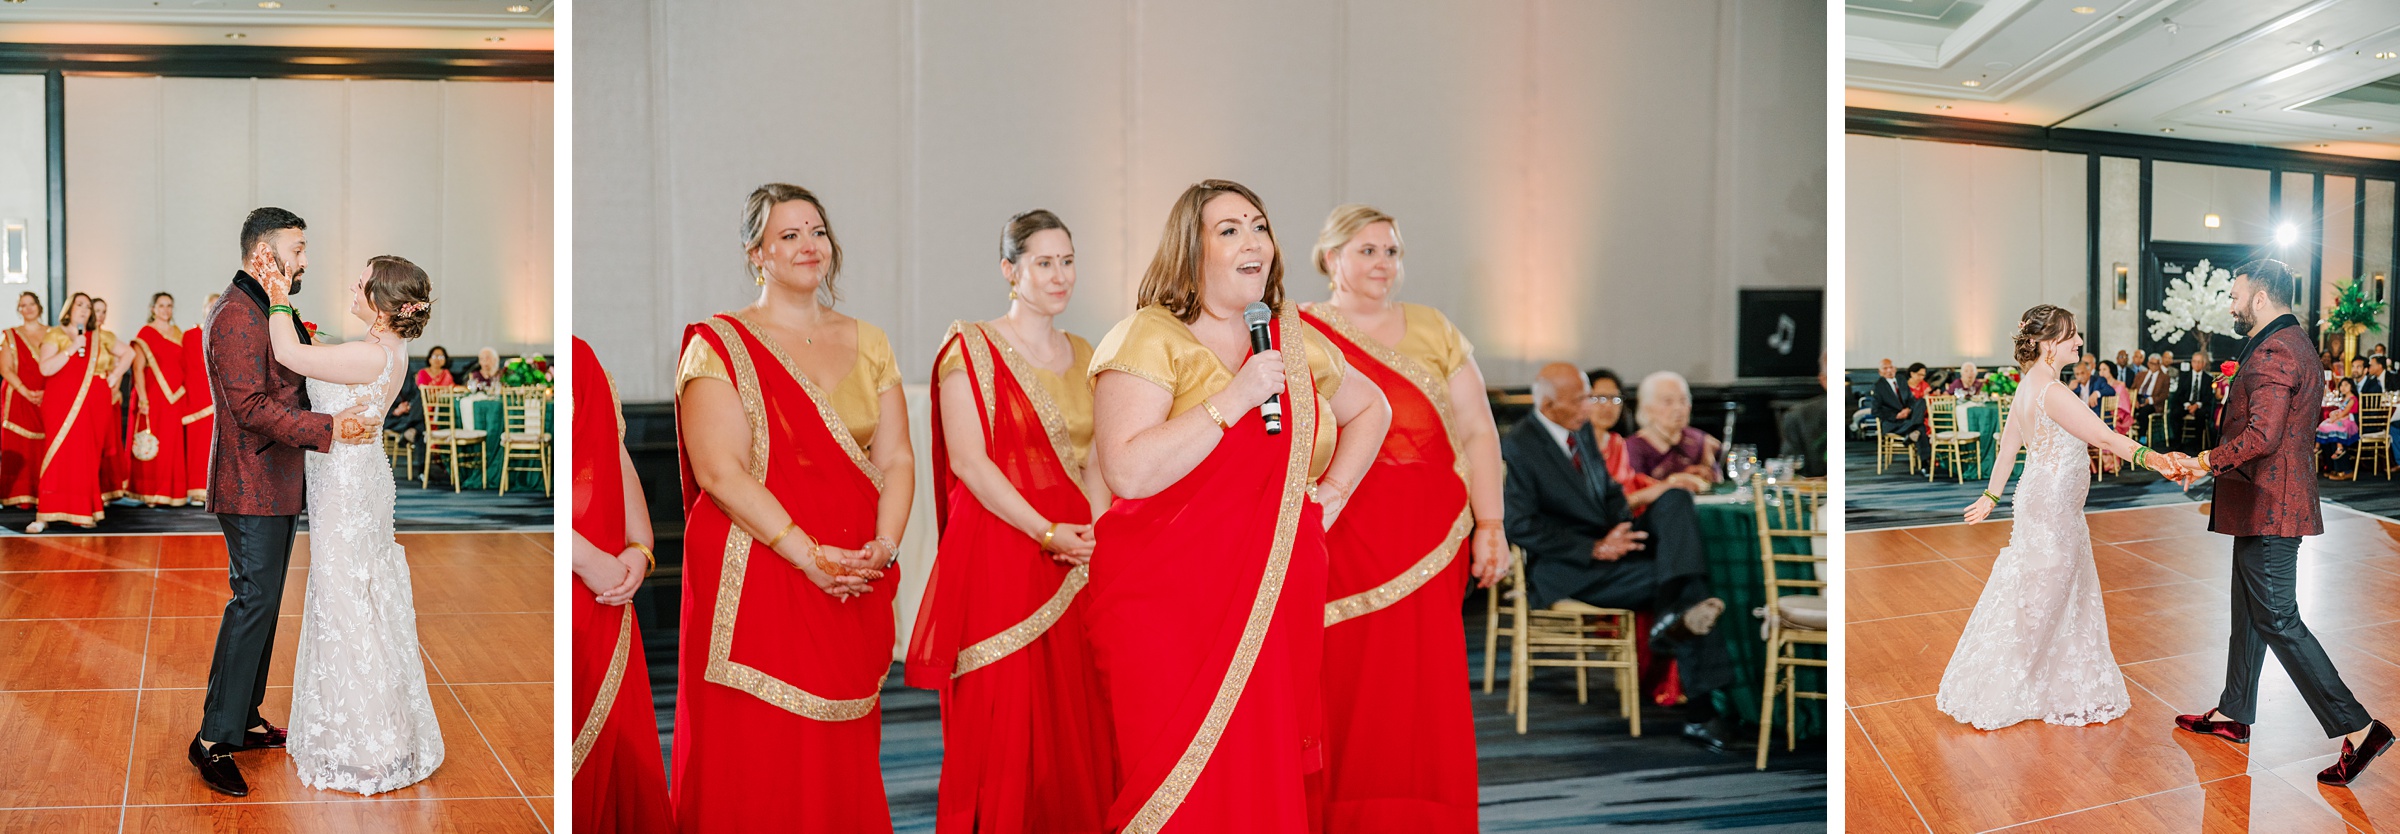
(2181, 468)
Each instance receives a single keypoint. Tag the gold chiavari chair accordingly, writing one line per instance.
(523, 436)
(1889, 445)
(1949, 437)
(1791, 510)
(2374, 434)
(2103, 463)
(1597, 638)
(444, 439)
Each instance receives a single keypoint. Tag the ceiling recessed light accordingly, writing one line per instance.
(519, 9)
(235, 35)
(2224, 112)
(494, 39)
(2085, 10)
(1972, 83)
(2364, 127)
(2166, 130)
(2323, 145)
(2386, 56)
(2212, 221)
(1941, 107)
(269, 4)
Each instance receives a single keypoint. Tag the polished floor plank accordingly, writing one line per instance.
(60, 820)
(2285, 730)
(2207, 557)
(2363, 804)
(1872, 800)
(43, 553)
(1908, 655)
(180, 649)
(427, 551)
(488, 648)
(1903, 590)
(2120, 526)
(161, 776)
(515, 719)
(75, 595)
(68, 748)
(2167, 620)
(71, 654)
(1883, 548)
(1964, 779)
(456, 816)
(1955, 541)
(483, 589)
(2234, 803)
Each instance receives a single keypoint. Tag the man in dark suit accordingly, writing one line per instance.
(1900, 411)
(2380, 379)
(2266, 498)
(1583, 542)
(2193, 393)
(255, 488)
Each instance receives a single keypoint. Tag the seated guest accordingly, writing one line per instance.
(2380, 379)
(2122, 419)
(2358, 370)
(403, 418)
(1968, 381)
(1900, 411)
(1604, 411)
(2092, 387)
(2150, 389)
(2194, 395)
(2337, 434)
(2139, 361)
(486, 372)
(1916, 381)
(1583, 542)
(1667, 443)
(437, 368)
(1804, 425)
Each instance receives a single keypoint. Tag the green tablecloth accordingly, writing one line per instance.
(484, 413)
(1734, 573)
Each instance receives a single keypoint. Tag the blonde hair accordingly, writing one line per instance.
(1346, 221)
(1172, 280)
(763, 201)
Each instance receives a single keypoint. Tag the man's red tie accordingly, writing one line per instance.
(1574, 454)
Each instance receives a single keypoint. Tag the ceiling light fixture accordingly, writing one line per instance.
(2212, 221)
(494, 39)
(2386, 56)
(235, 35)
(1941, 107)
(2085, 10)
(2224, 112)
(269, 4)
(2166, 130)
(1972, 83)
(2315, 47)
(2287, 234)
(519, 9)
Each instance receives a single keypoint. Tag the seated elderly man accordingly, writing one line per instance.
(1583, 542)
(1666, 443)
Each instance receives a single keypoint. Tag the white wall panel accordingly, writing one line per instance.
(24, 181)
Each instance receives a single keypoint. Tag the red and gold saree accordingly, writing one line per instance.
(620, 782)
(76, 406)
(165, 477)
(199, 416)
(22, 437)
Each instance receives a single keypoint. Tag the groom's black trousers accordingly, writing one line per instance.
(258, 551)
(2266, 615)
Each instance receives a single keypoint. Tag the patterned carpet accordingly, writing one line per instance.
(1897, 499)
(419, 511)
(1575, 770)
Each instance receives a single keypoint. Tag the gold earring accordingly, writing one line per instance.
(1012, 291)
(759, 274)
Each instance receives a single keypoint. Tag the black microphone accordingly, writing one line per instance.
(1257, 315)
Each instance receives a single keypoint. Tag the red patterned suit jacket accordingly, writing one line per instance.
(263, 421)
(2266, 469)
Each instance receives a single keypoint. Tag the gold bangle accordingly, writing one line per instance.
(1050, 536)
(1215, 417)
(786, 531)
(652, 558)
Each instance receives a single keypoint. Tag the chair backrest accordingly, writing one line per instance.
(521, 408)
(2374, 413)
(1942, 412)
(1788, 510)
(441, 406)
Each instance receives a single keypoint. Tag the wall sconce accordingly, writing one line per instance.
(12, 253)
(2212, 221)
(2379, 286)
(2124, 286)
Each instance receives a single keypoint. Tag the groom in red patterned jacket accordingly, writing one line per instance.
(2266, 498)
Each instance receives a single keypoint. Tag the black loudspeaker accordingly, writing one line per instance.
(1781, 333)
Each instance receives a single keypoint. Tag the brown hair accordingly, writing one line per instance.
(1345, 223)
(1021, 229)
(2043, 323)
(763, 201)
(37, 300)
(399, 289)
(1173, 279)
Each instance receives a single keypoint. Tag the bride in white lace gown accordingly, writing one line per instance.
(2036, 647)
(362, 719)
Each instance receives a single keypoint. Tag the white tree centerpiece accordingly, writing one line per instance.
(2199, 302)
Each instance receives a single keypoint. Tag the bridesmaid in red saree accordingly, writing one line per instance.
(160, 399)
(795, 497)
(200, 415)
(116, 460)
(1208, 583)
(1400, 733)
(620, 785)
(21, 434)
(1025, 741)
(75, 401)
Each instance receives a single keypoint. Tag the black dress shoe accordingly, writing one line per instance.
(1708, 735)
(270, 738)
(2354, 760)
(217, 768)
(1681, 626)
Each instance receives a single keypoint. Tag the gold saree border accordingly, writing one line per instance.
(1170, 794)
(200, 415)
(602, 701)
(1399, 587)
(1054, 422)
(721, 668)
(174, 395)
(83, 390)
(824, 404)
(991, 649)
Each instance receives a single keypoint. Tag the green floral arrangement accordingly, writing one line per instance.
(525, 371)
(2351, 306)
(2001, 382)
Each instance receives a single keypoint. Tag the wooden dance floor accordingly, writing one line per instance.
(104, 652)
(2164, 577)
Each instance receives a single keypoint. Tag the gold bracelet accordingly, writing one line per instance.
(1214, 417)
(786, 531)
(1341, 490)
(647, 555)
(1049, 536)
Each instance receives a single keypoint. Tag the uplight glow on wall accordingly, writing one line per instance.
(12, 253)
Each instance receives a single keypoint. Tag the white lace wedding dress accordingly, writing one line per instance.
(2037, 645)
(362, 719)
